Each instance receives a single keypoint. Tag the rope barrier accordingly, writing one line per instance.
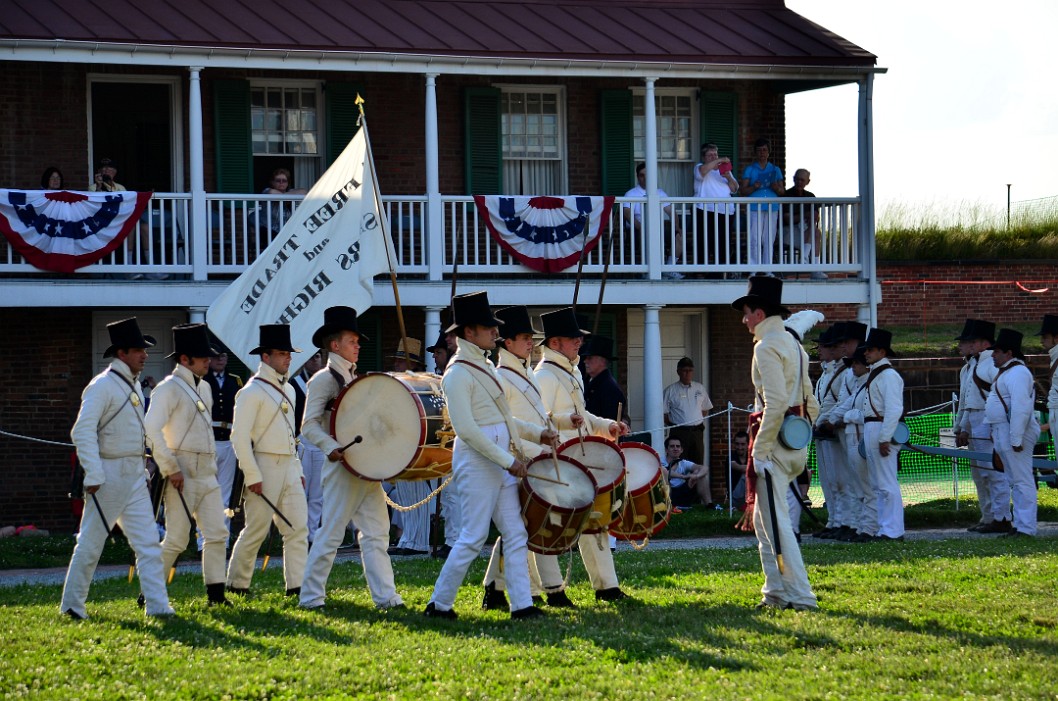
(36, 440)
(416, 505)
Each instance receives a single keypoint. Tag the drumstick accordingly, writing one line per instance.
(350, 444)
(548, 479)
(620, 405)
(580, 437)
(554, 455)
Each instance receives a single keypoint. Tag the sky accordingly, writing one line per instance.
(969, 103)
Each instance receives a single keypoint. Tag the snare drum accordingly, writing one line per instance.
(555, 514)
(398, 416)
(648, 504)
(606, 463)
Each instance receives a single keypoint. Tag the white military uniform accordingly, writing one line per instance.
(1052, 396)
(1010, 414)
(109, 437)
(346, 498)
(882, 406)
(312, 460)
(523, 395)
(993, 488)
(180, 433)
(832, 477)
(562, 392)
(263, 435)
(481, 456)
(778, 362)
(864, 502)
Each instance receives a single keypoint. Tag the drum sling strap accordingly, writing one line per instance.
(529, 386)
(137, 402)
(870, 378)
(997, 461)
(982, 387)
(505, 410)
(329, 406)
(281, 406)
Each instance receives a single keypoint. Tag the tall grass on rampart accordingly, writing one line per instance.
(966, 231)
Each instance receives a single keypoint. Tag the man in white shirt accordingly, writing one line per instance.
(686, 405)
(713, 179)
(633, 215)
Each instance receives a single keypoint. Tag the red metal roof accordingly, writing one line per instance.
(678, 31)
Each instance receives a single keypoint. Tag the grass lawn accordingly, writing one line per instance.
(943, 619)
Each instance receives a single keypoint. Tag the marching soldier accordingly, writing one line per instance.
(1009, 410)
(109, 436)
(975, 382)
(345, 496)
(181, 436)
(224, 387)
(882, 407)
(827, 447)
(264, 437)
(779, 373)
(562, 390)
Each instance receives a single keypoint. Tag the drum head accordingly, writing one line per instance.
(795, 432)
(901, 434)
(578, 490)
(389, 418)
(642, 463)
(603, 459)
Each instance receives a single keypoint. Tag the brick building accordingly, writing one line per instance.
(464, 97)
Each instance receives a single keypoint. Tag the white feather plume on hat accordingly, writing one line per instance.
(803, 321)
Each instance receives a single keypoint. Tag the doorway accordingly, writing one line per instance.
(133, 124)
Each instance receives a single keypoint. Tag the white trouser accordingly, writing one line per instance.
(312, 459)
(851, 486)
(487, 492)
(451, 512)
(762, 224)
(227, 464)
(202, 496)
(883, 477)
(791, 585)
(494, 573)
(794, 507)
(986, 480)
(1019, 473)
(866, 512)
(281, 483)
(598, 560)
(346, 498)
(415, 524)
(826, 459)
(124, 500)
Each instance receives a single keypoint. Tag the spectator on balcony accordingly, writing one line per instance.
(633, 216)
(51, 179)
(713, 180)
(763, 179)
(803, 223)
(280, 184)
(106, 177)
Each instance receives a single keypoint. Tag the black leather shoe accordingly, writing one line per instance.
(294, 591)
(611, 594)
(74, 615)
(433, 612)
(141, 601)
(215, 595)
(996, 527)
(1015, 533)
(527, 612)
(560, 600)
(238, 590)
(494, 600)
(442, 552)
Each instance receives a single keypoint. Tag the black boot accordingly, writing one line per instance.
(294, 591)
(494, 600)
(559, 599)
(215, 595)
(238, 590)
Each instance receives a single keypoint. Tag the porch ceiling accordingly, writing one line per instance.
(752, 33)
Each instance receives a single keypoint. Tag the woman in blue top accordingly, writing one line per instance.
(762, 179)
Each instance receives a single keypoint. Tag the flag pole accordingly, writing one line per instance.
(370, 163)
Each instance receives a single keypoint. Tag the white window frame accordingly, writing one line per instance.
(639, 93)
(559, 92)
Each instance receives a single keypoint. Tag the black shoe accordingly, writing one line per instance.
(74, 615)
(883, 538)
(238, 590)
(494, 600)
(861, 538)
(611, 594)
(527, 612)
(433, 612)
(976, 528)
(215, 595)
(560, 600)
(443, 552)
(1015, 533)
(825, 533)
(538, 600)
(141, 601)
(294, 591)
(394, 551)
(996, 527)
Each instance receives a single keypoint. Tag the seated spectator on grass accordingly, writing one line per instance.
(739, 460)
(689, 484)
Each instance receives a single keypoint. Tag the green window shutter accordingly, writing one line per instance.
(719, 121)
(615, 108)
(370, 359)
(231, 126)
(342, 114)
(484, 151)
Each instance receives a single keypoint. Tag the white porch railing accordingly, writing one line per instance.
(806, 235)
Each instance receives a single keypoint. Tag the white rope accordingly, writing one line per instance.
(36, 440)
(416, 505)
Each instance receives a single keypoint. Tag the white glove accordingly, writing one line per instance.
(762, 466)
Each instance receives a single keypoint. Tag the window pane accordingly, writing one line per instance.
(257, 98)
(275, 98)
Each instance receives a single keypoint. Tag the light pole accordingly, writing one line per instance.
(1008, 206)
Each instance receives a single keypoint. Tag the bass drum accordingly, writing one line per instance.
(398, 416)
(648, 505)
(606, 463)
(555, 514)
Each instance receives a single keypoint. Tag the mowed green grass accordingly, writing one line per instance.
(942, 619)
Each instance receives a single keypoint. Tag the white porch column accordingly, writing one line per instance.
(197, 237)
(653, 409)
(652, 214)
(868, 250)
(196, 315)
(435, 242)
(433, 327)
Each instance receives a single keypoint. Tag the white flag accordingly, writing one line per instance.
(326, 255)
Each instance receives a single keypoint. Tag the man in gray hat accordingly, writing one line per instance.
(109, 436)
(180, 432)
(265, 441)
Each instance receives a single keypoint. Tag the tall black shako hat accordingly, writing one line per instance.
(274, 337)
(1050, 325)
(831, 335)
(472, 309)
(975, 329)
(1009, 340)
(126, 334)
(335, 320)
(440, 344)
(853, 331)
(562, 322)
(766, 292)
(598, 345)
(515, 321)
(192, 340)
(879, 338)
